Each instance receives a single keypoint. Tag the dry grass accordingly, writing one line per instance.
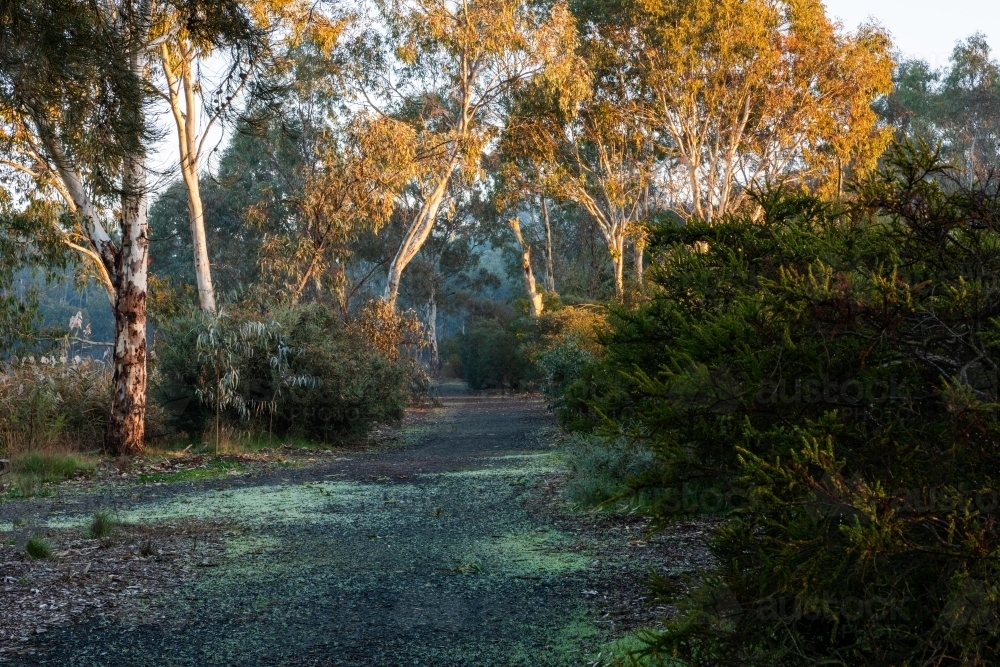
(52, 413)
(53, 403)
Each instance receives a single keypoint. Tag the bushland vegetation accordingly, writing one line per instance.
(746, 255)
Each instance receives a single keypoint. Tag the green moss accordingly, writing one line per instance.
(209, 470)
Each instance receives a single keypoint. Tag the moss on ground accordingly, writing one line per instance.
(211, 469)
(444, 568)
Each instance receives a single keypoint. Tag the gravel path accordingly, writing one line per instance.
(450, 549)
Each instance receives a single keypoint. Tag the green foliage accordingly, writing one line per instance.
(601, 471)
(504, 351)
(829, 373)
(491, 354)
(957, 105)
(299, 371)
(38, 547)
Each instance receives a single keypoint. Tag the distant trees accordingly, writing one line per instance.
(446, 69)
(957, 106)
(688, 105)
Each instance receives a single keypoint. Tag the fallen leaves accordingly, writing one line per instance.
(88, 578)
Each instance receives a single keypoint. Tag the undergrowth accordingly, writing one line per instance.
(602, 472)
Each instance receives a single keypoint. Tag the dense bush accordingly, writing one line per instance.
(504, 351)
(831, 373)
(301, 371)
(491, 354)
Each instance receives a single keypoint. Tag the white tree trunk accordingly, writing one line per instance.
(186, 121)
(432, 337)
(534, 297)
(639, 248)
(618, 257)
(415, 237)
(199, 243)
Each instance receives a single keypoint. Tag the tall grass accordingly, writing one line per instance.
(52, 413)
(603, 470)
(47, 404)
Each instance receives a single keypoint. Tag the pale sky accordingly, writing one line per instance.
(926, 29)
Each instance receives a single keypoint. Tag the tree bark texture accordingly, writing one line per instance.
(126, 430)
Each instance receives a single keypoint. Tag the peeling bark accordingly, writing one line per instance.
(126, 430)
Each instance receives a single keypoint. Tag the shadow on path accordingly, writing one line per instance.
(426, 554)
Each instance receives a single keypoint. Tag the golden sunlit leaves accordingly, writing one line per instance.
(748, 92)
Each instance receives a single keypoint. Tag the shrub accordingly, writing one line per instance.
(602, 470)
(833, 368)
(503, 351)
(50, 402)
(58, 406)
(491, 354)
(101, 526)
(38, 547)
(301, 371)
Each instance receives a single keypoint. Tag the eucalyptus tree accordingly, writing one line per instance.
(957, 106)
(75, 117)
(242, 44)
(75, 109)
(446, 68)
(597, 153)
(743, 93)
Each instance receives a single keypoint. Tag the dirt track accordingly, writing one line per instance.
(450, 549)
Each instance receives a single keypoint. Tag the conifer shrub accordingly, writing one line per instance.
(828, 373)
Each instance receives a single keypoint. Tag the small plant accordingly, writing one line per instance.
(101, 526)
(38, 547)
(146, 549)
(463, 567)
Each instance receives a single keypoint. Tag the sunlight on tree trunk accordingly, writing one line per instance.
(180, 85)
(639, 249)
(534, 297)
(416, 236)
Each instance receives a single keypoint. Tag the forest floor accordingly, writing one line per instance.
(446, 544)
